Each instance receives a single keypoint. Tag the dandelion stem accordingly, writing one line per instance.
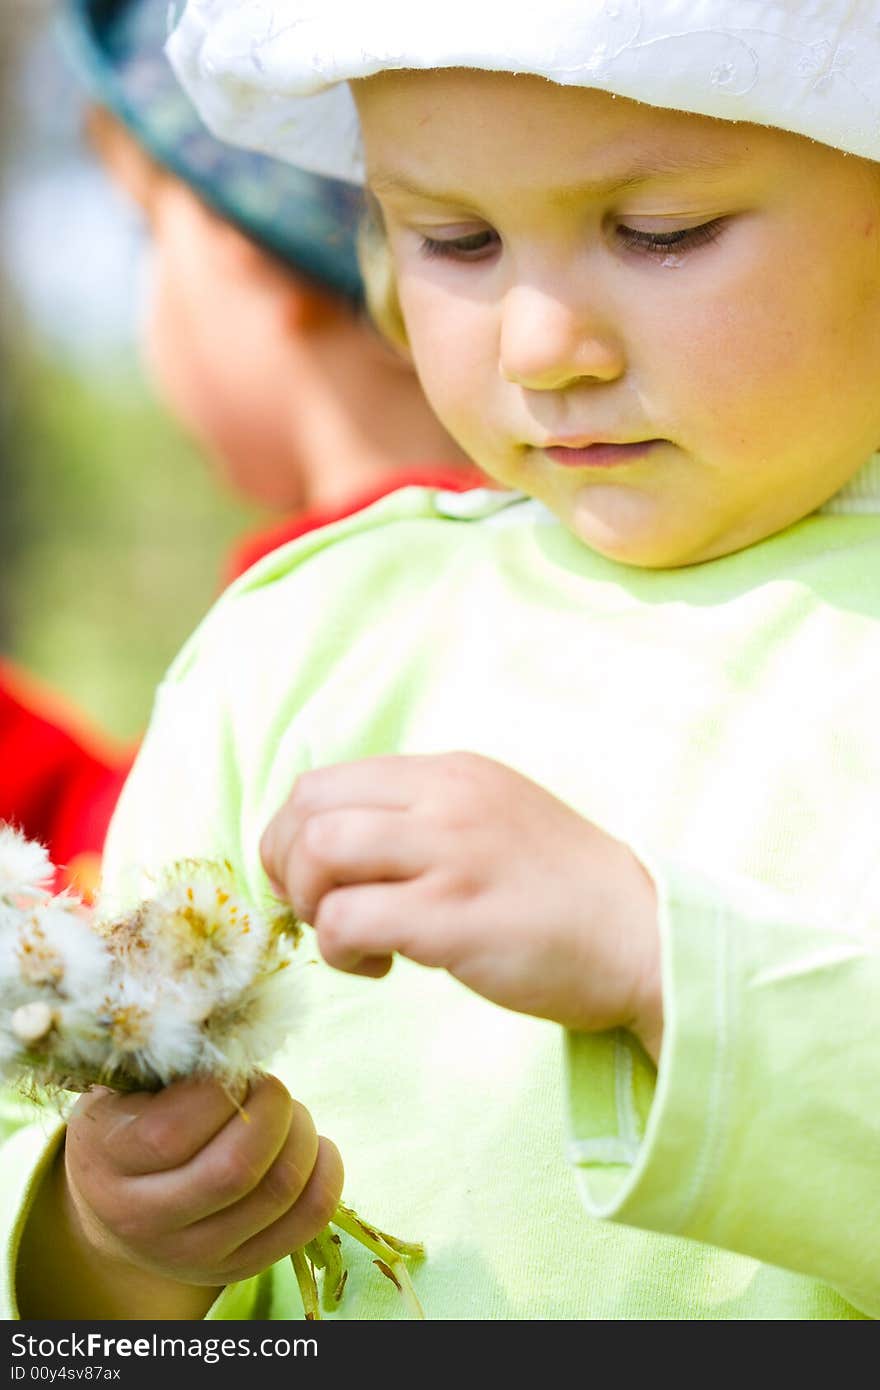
(389, 1258)
(399, 1276)
(328, 1244)
(308, 1289)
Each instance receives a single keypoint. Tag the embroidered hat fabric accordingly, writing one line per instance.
(310, 222)
(273, 74)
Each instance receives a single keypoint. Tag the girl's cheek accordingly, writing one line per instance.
(449, 350)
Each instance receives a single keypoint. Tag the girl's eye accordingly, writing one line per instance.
(656, 243)
(474, 247)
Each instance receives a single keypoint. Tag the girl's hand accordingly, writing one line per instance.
(459, 862)
(187, 1187)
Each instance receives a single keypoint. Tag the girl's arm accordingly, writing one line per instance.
(761, 1134)
(61, 1276)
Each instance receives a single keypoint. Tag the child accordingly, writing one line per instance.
(258, 344)
(602, 758)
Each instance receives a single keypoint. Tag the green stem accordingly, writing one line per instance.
(308, 1289)
(388, 1257)
(399, 1276)
(313, 1250)
(347, 1219)
(328, 1245)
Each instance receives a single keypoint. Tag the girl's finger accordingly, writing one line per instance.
(235, 1161)
(218, 1235)
(151, 1132)
(392, 781)
(231, 1166)
(300, 1224)
(354, 845)
(360, 928)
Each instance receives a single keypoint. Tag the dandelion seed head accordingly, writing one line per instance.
(193, 981)
(9, 918)
(204, 932)
(25, 868)
(38, 961)
(80, 1039)
(31, 1022)
(151, 1032)
(126, 937)
(244, 1034)
(286, 923)
(129, 1027)
(57, 948)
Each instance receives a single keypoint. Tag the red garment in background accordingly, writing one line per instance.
(60, 779)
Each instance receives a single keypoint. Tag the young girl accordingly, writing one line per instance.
(601, 753)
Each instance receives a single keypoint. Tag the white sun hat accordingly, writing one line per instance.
(273, 75)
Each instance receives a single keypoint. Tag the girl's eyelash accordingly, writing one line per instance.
(686, 239)
(463, 248)
(472, 247)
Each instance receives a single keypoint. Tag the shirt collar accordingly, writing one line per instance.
(860, 496)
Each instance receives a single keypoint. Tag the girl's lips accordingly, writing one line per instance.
(601, 455)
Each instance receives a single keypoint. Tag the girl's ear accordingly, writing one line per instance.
(380, 286)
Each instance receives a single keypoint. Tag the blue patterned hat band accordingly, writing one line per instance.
(308, 221)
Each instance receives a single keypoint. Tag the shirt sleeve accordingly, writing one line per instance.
(29, 1142)
(760, 1130)
(28, 1149)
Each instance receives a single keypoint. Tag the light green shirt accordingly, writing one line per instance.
(722, 719)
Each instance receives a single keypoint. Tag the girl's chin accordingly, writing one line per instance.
(622, 524)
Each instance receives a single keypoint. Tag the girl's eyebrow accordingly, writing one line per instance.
(654, 168)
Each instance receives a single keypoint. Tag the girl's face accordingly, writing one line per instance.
(665, 327)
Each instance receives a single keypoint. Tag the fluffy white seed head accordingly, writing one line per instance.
(58, 946)
(242, 1036)
(151, 1034)
(206, 933)
(32, 1022)
(25, 868)
(194, 980)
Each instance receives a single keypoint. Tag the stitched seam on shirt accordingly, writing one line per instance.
(627, 1119)
(727, 1057)
(609, 1148)
(695, 1194)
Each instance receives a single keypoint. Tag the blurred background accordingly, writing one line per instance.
(112, 534)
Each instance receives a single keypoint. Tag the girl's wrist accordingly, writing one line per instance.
(63, 1274)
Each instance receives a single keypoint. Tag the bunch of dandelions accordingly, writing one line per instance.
(195, 981)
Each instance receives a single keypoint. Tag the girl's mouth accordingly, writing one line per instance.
(601, 455)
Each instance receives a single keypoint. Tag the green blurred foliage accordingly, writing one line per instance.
(114, 537)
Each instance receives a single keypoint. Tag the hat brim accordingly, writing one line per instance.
(273, 75)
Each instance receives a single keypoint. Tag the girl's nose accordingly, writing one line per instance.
(547, 345)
